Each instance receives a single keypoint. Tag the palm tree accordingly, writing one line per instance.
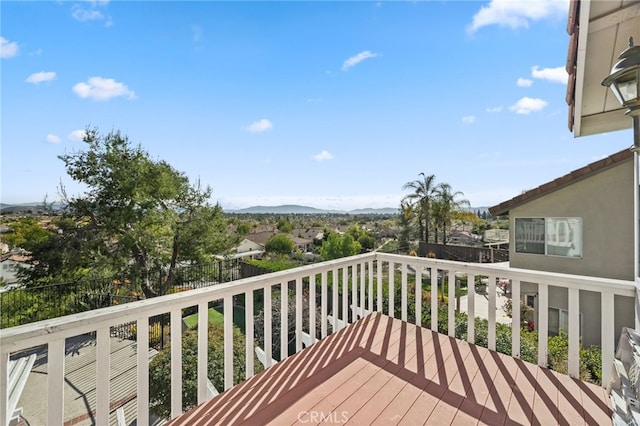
(424, 193)
(449, 207)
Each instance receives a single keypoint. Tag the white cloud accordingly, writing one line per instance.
(356, 59)
(494, 109)
(82, 14)
(523, 82)
(528, 105)
(517, 14)
(260, 126)
(51, 138)
(8, 49)
(36, 52)
(556, 75)
(469, 119)
(90, 11)
(76, 135)
(102, 89)
(323, 156)
(39, 77)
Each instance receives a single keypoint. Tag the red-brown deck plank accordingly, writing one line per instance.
(382, 371)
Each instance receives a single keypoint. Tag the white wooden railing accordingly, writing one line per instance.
(360, 277)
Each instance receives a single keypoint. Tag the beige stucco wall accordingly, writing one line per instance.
(604, 201)
(605, 204)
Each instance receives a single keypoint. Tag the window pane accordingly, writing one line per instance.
(529, 236)
(564, 236)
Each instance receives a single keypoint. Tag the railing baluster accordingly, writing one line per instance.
(249, 334)
(334, 299)
(451, 318)
(491, 332)
(4, 387)
(228, 342)
(354, 293)
(345, 298)
(392, 274)
(403, 293)
(471, 308)
(434, 298)
(419, 296)
(176, 362)
(323, 302)
(142, 400)
(203, 331)
(298, 314)
(268, 318)
(543, 323)
(379, 285)
(370, 299)
(515, 318)
(312, 308)
(608, 336)
(103, 372)
(55, 382)
(284, 320)
(363, 276)
(574, 333)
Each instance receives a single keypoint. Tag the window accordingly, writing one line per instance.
(559, 320)
(552, 236)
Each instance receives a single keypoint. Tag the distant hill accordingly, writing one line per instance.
(24, 207)
(298, 209)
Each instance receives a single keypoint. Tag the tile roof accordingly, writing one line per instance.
(574, 176)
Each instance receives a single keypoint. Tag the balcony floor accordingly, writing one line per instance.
(381, 370)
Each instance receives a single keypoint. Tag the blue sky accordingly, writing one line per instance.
(328, 104)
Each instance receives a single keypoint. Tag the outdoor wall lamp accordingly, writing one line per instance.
(624, 82)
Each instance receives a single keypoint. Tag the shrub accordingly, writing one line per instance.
(160, 368)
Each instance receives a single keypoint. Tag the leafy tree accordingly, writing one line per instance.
(338, 246)
(279, 244)
(362, 236)
(404, 223)
(424, 192)
(26, 233)
(284, 225)
(160, 368)
(136, 214)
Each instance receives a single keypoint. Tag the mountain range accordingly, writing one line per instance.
(282, 209)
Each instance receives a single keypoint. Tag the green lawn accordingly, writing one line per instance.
(216, 317)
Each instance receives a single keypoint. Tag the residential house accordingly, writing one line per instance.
(582, 224)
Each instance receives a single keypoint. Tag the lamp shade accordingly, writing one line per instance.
(624, 79)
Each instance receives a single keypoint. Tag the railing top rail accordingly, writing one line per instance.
(28, 335)
(582, 282)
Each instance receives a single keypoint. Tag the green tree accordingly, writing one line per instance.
(284, 225)
(26, 233)
(424, 192)
(160, 368)
(362, 236)
(447, 207)
(404, 223)
(279, 244)
(136, 214)
(337, 246)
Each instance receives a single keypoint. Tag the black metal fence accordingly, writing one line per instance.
(34, 303)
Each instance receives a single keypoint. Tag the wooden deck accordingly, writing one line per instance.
(381, 370)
